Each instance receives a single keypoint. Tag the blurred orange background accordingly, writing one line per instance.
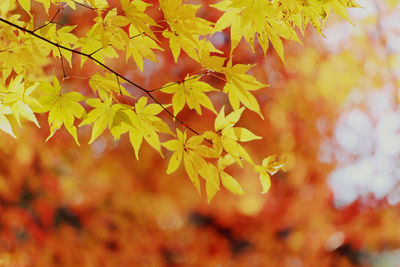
(332, 109)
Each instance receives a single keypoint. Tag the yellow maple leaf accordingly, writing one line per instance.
(238, 87)
(18, 98)
(63, 108)
(190, 92)
(4, 122)
(270, 165)
(177, 146)
(146, 122)
(135, 12)
(229, 135)
(101, 116)
(140, 46)
(227, 180)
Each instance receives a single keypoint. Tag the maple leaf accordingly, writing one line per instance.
(211, 62)
(230, 18)
(62, 108)
(183, 20)
(129, 29)
(193, 153)
(141, 22)
(106, 85)
(140, 46)
(238, 86)
(4, 122)
(269, 166)
(142, 123)
(263, 19)
(190, 92)
(18, 98)
(101, 116)
(230, 135)
(186, 28)
(227, 180)
(62, 36)
(182, 144)
(109, 30)
(177, 146)
(146, 122)
(91, 45)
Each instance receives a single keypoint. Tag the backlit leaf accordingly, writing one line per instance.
(231, 184)
(63, 108)
(265, 181)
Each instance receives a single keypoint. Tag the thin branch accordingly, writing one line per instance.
(62, 63)
(119, 86)
(216, 76)
(147, 92)
(85, 6)
(51, 21)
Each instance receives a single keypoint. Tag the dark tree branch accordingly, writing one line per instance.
(62, 62)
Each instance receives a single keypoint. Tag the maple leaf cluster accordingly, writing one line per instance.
(126, 29)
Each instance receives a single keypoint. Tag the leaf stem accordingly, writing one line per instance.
(62, 63)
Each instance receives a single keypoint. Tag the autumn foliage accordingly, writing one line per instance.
(132, 98)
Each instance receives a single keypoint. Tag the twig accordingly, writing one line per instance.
(62, 63)
(216, 76)
(85, 6)
(51, 21)
(119, 86)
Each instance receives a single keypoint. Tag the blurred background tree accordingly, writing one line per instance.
(332, 108)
